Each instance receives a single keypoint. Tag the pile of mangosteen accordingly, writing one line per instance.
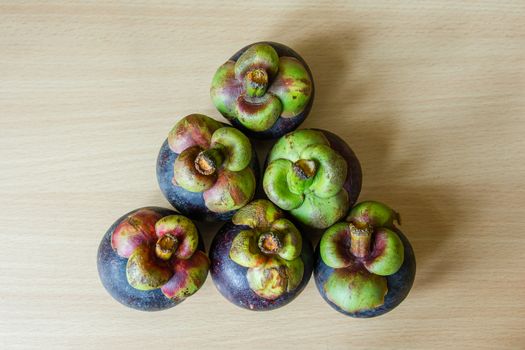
(261, 258)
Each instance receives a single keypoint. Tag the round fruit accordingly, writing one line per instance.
(314, 175)
(260, 261)
(266, 89)
(365, 266)
(206, 169)
(152, 259)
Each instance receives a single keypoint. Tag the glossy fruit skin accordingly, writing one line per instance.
(399, 284)
(282, 125)
(354, 177)
(230, 278)
(190, 204)
(112, 273)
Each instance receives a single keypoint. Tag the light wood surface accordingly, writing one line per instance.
(429, 94)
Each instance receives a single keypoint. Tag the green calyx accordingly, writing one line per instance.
(229, 148)
(225, 89)
(192, 130)
(373, 213)
(231, 191)
(275, 183)
(387, 253)
(362, 253)
(260, 87)
(251, 248)
(270, 249)
(189, 275)
(276, 277)
(379, 249)
(235, 146)
(186, 173)
(293, 86)
(178, 235)
(162, 253)
(334, 246)
(291, 242)
(258, 56)
(356, 290)
(145, 271)
(330, 177)
(322, 212)
(291, 145)
(245, 251)
(258, 113)
(300, 178)
(221, 170)
(306, 176)
(258, 214)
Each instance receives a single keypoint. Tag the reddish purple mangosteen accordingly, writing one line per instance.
(260, 260)
(365, 266)
(266, 90)
(206, 169)
(314, 175)
(152, 259)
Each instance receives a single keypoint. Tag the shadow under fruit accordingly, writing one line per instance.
(260, 261)
(152, 259)
(365, 266)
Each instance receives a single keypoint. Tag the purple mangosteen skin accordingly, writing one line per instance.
(190, 204)
(282, 125)
(112, 273)
(230, 278)
(399, 284)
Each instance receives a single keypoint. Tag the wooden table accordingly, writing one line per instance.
(430, 95)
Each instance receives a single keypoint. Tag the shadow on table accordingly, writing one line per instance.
(433, 208)
(433, 216)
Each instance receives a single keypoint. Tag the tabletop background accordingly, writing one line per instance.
(429, 94)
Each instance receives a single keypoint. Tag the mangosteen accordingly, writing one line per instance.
(260, 260)
(152, 259)
(365, 266)
(314, 175)
(266, 90)
(206, 169)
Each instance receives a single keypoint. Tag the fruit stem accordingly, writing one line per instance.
(166, 246)
(301, 175)
(360, 239)
(256, 82)
(269, 242)
(208, 161)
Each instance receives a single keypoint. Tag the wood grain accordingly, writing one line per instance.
(430, 94)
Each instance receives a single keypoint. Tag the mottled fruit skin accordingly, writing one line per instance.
(230, 278)
(112, 273)
(399, 284)
(282, 125)
(190, 204)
